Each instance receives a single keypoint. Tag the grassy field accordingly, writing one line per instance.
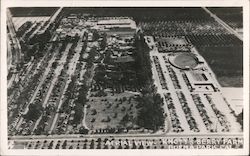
(185, 60)
(110, 111)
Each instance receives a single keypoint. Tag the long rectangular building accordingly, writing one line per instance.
(122, 26)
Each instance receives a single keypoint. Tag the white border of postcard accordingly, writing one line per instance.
(68, 3)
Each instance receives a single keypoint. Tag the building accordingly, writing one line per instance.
(200, 81)
(122, 26)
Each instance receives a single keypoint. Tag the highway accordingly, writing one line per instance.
(226, 26)
(16, 44)
(16, 53)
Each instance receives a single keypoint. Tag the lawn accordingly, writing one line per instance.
(110, 111)
(185, 60)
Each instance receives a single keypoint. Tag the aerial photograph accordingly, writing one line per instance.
(125, 77)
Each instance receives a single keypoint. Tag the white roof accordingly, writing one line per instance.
(118, 22)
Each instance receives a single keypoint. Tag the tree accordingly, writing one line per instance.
(54, 65)
(91, 57)
(78, 113)
(96, 35)
(151, 116)
(125, 119)
(83, 130)
(104, 42)
(35, 111)
(240, 118)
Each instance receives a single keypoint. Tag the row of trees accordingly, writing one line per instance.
(82, 90)
(142, 63)
(91, 58)
(80, 102)
(151, 114)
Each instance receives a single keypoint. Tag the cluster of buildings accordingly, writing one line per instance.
(72, 25)
(119, 33)
(121, 48)
(199, 81)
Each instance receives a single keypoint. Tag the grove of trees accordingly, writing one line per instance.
(151, 114)
(142, 61)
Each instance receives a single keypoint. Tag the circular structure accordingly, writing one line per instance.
(184, 61)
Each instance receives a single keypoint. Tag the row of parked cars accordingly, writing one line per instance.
(26, 127)
(173, 114)
(29, 84)
(160, 72)
(221, 117)
(98, 143)
(187, 111)
(173, 77)
(203, 113)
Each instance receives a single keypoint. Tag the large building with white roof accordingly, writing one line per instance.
(122, 26)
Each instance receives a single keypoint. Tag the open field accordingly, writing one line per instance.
(226, 62)
(31, 12)
(233, 16)
(112, 111)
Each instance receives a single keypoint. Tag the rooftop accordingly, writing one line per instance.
(118, 22)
